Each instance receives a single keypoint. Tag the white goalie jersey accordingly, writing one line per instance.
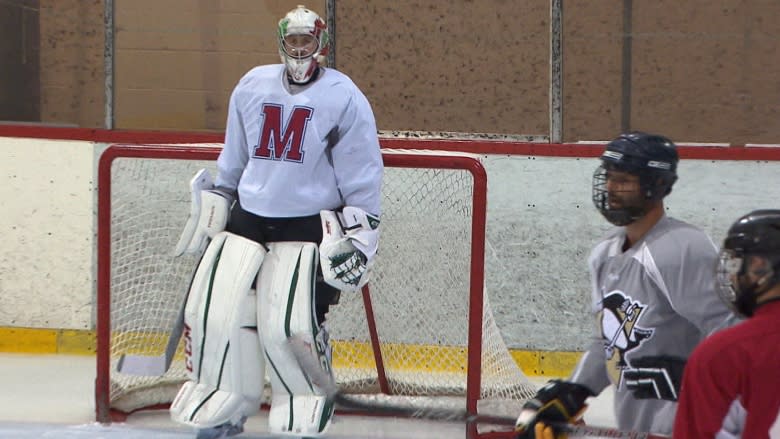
(293, 151)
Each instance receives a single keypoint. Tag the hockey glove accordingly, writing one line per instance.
(655, 377)
(558, 402)
(349, 244)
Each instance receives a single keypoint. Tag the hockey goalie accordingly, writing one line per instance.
(290, 222)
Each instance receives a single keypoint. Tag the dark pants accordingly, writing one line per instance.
(266, 230)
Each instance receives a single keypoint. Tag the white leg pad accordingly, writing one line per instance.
(224, 351)
(286, 307)
(199, 405)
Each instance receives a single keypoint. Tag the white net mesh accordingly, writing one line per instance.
(420, 288)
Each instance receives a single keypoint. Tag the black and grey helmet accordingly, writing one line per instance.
(754, 234)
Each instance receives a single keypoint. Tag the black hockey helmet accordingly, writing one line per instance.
(756, 234)
(651, 157)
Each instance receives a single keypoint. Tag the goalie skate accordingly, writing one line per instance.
(222, 431)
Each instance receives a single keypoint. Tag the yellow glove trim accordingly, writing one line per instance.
(543, 431)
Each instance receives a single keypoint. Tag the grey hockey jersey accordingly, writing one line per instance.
(653, 304)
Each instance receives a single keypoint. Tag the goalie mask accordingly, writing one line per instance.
(652, 158)
(303, 43)
(749, 263)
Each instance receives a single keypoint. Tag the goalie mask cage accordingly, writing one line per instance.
(422, 331)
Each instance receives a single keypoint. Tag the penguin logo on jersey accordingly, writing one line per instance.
(619, 317)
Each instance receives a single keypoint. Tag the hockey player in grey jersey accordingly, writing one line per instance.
(652, 295)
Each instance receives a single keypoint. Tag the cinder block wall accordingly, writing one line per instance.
(699, 71)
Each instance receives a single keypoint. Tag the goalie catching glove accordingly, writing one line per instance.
(349, 242)
(558, 402)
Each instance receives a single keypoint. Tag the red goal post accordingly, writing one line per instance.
(406, 337)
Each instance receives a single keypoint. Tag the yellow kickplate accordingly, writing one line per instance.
(357, 355)
(28, 340)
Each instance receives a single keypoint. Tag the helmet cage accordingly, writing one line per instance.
(301, 48)
(729, 271)
(627, 214)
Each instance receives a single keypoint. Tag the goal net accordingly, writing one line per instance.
(422, 331)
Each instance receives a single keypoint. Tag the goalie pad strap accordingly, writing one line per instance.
(223, 349)
(286, 307)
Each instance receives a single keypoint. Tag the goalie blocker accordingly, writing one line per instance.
(349, 243)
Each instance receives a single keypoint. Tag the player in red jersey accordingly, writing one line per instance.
(731, 384)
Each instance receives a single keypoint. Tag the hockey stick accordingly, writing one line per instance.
(312, 369)
(155, 365)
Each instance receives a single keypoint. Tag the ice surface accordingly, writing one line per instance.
(52, 396)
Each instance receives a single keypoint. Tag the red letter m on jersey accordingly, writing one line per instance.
(276, 143)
